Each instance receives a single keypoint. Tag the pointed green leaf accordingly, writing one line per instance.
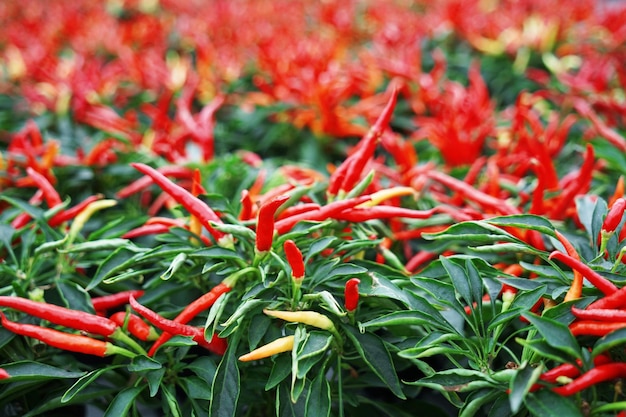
(610, 341)
(318, 399)
(227, 378)
(523, 380)
(545, 403)
(556, 334)
(525, 221)
(373, 351)
(122, 402)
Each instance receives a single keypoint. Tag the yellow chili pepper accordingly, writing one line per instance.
(283, 344)
(85, 215)
(382, 195)
(312, 318)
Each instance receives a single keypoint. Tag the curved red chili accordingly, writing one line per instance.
(348, 173)
(106, 302)
(4, 374)
(216, 345)
(594, 376)
(615, 300)
(194, 205)
(597, 280)
(79, 320)
(351, 293)
(135, 325)
(294, 258)
(595, 328)
(323, 213)
(61, 340)
(246, 205)
(600, 314)
(174, 171)
(614, 216)
(265, 223)
(192, 310)
(50, 194)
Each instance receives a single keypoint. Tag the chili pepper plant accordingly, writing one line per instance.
(244, 208)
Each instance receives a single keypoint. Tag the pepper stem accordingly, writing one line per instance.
(112, 349)
(120, 336)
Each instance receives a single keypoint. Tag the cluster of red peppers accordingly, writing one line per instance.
(98, 332)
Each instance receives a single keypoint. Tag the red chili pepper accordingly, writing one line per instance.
(418, 260)
(351, 293)
(174, 171)
(192, 310)
(600, 314)
(62, 316)
(72, 212)
(597, 280)
(265, 223)
(595, 328)
(194, 205)
(246, 205)
(294, 258)
(110, 301)
(348, 173)
(325, 212)
(568, 370)
(297, 209)
(4, 374)
(146, 229)
(472, 193)
(614, 216)
(216, 345)
(50, 194)
(358, 215)
(576, 288)
(65, 341)
(602, 373)
(135, 326)
(615, 300)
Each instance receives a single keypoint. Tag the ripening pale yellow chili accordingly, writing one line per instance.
(312, 318)
(380, 196)
(283, 344)
(85, 215)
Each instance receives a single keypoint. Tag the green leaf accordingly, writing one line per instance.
(440, 291)
(122, 402)
(318, 399)
(401, 318)
(472, 233)
(610, 341)
(457, 380)
(109, 265)
(244, 308)
(373, 351)
(196, 388)
(311, 351)
(556, 334)
(215, 252)
(319, 245)
(374, 285)
(545, 403)
(35, 371)
(141, 363)
(227, 378)
(155, 378)
(477, 400)
(591, 212)
(84, 381)
(523, 380)
(525, 221)
(542, 348)
(74, 296)
(170, 399)
(280, 371)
